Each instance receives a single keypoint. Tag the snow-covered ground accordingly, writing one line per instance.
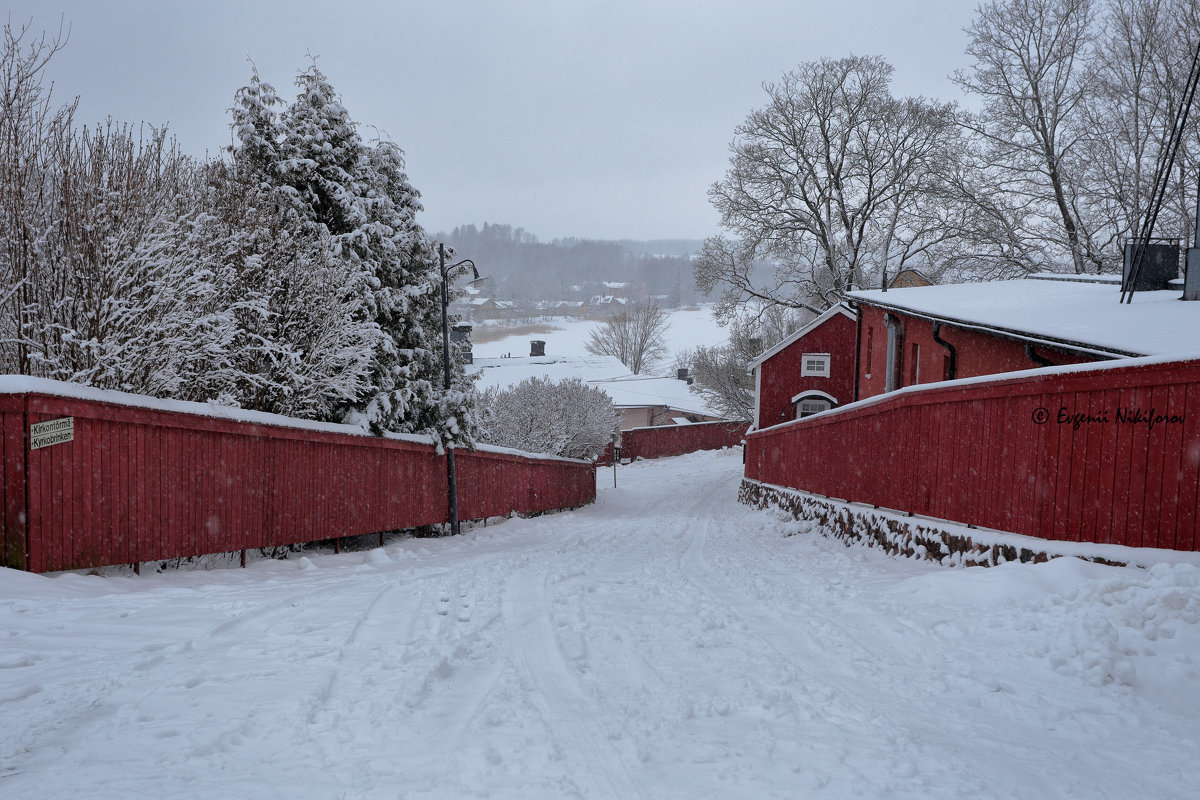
(688, 328)
(663, 643)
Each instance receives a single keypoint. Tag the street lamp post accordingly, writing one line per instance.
(450, 478)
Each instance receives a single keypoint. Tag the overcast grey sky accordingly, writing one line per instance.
(590, 119)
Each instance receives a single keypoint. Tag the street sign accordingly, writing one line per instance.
(51, 432)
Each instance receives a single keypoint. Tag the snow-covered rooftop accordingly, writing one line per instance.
(604, 372)
(1083, 316)
(503, 373)
(641, 391)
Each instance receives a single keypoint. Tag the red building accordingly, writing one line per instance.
(935, 333)
(810, 371)
(1076, 451)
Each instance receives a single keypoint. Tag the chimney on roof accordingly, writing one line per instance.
(682, 374)
(537, 347)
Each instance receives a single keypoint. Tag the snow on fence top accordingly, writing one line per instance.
(23, 384)
(1016, 378)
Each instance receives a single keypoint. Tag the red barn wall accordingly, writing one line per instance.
(977, 353)
(780, 379)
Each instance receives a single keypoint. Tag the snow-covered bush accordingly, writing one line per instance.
(566, 418)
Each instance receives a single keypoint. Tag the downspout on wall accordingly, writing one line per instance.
(894, 352)
(857, 344)
(952, 369)
(1041, 361)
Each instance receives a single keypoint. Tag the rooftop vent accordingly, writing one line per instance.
(1160, 265)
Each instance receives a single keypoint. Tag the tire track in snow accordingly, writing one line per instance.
(565, 709)
(811, 703)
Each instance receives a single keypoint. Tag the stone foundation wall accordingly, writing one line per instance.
(913, 537)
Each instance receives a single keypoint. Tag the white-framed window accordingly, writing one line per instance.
(812, 402)
(814, 364)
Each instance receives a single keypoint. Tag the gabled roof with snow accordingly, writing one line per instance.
(503, 373)
(607, 300)
(604, 372)
(639, 391)
(829, 313)
(1086, 317)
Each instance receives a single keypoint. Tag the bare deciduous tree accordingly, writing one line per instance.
(636, 336)
(830, 182)
(722, 373)
(1031, 70)
(1141, 63)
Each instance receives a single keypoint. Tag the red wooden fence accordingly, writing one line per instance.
(675, 440)
(143, 484)
(1065, 453)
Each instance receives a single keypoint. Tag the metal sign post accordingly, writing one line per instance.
(616, 456)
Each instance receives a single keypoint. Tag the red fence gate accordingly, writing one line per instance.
(140, 483)
(1106, 454)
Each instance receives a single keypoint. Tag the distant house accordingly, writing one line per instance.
(808, 372)
(646, 402)
(642, 401)
(605, 305)
(562, 308)
(908, 278)
(934, 333)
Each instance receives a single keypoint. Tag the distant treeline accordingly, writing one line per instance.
(524, 268)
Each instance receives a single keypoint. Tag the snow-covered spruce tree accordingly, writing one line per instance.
(566, 418)
(332, 184)
(307, 337)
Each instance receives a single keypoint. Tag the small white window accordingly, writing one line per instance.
(815, 364)
(807, 408)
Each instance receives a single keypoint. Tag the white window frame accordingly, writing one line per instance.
(806, 371)
(812, 394)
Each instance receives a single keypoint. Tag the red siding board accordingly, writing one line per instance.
(1139, 444)
(1152, 505)
(1188, 520)
(1045, 479)
(1172, 452)
(15, 520)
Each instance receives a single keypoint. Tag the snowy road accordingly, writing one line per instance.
(663, 643)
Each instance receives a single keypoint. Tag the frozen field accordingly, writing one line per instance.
(689, 328)
(663, 643)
